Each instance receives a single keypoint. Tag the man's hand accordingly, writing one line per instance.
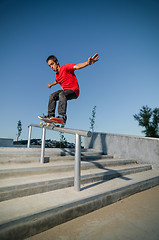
(52, 84)
(93, 59)
(90, 61)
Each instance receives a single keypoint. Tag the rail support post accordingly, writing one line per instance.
(43, 145)
(29, 136)
(77, 163)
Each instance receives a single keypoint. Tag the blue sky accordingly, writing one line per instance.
(125, 34)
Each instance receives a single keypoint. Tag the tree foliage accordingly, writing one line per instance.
(19, 127)
(149, 119)
(63, 141)
(92, 119)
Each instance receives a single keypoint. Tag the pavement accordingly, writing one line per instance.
(133, 218)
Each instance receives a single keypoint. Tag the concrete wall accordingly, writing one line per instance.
(142, 149)
(6, 142)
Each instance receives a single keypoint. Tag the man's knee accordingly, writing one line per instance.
(62, 95)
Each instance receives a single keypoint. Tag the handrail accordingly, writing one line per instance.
(77, 133)
(65, 130)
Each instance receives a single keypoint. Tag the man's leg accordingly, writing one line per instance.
(63, 97)
(53, 98)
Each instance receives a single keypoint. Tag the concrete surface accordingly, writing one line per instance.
(29, 155)
(133, 218)
(26, 216)
(22, 207)
(36, 197)
(20, 186)
(142, 149)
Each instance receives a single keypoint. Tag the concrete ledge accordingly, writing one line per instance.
(6, 142)
(142, 149)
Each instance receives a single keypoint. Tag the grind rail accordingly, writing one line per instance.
(77, 133)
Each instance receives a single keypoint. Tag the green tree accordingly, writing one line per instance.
(149, 119)
(92, 119)
(19, 127)
(63, 141)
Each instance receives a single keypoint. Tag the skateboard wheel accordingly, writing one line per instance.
(41, 123)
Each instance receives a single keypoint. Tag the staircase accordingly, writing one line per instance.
(35, 197)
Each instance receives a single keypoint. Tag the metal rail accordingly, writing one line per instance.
(77, 133)
(64, 130)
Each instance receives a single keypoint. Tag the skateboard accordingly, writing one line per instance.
(56, 122)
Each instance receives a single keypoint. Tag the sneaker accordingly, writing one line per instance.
(64, 118)
(46, 116)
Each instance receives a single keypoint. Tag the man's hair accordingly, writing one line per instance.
(53, 58)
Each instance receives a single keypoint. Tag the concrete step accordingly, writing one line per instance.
(52, 158)
(14, 170)
(27, 152)
(24, 186)
(51, 155)
(27, 216)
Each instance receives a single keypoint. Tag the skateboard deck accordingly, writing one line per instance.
(53, 121)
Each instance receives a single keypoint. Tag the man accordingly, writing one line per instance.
(67, 79)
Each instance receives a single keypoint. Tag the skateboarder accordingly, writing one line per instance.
(66, 78)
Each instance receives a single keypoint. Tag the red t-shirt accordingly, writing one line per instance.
(67, 79)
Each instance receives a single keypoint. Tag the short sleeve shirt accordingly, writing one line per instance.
(67, 79)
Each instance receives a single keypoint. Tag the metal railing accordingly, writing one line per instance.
(77, 133)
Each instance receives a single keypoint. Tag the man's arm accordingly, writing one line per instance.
(91, 60)
(52, 84)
